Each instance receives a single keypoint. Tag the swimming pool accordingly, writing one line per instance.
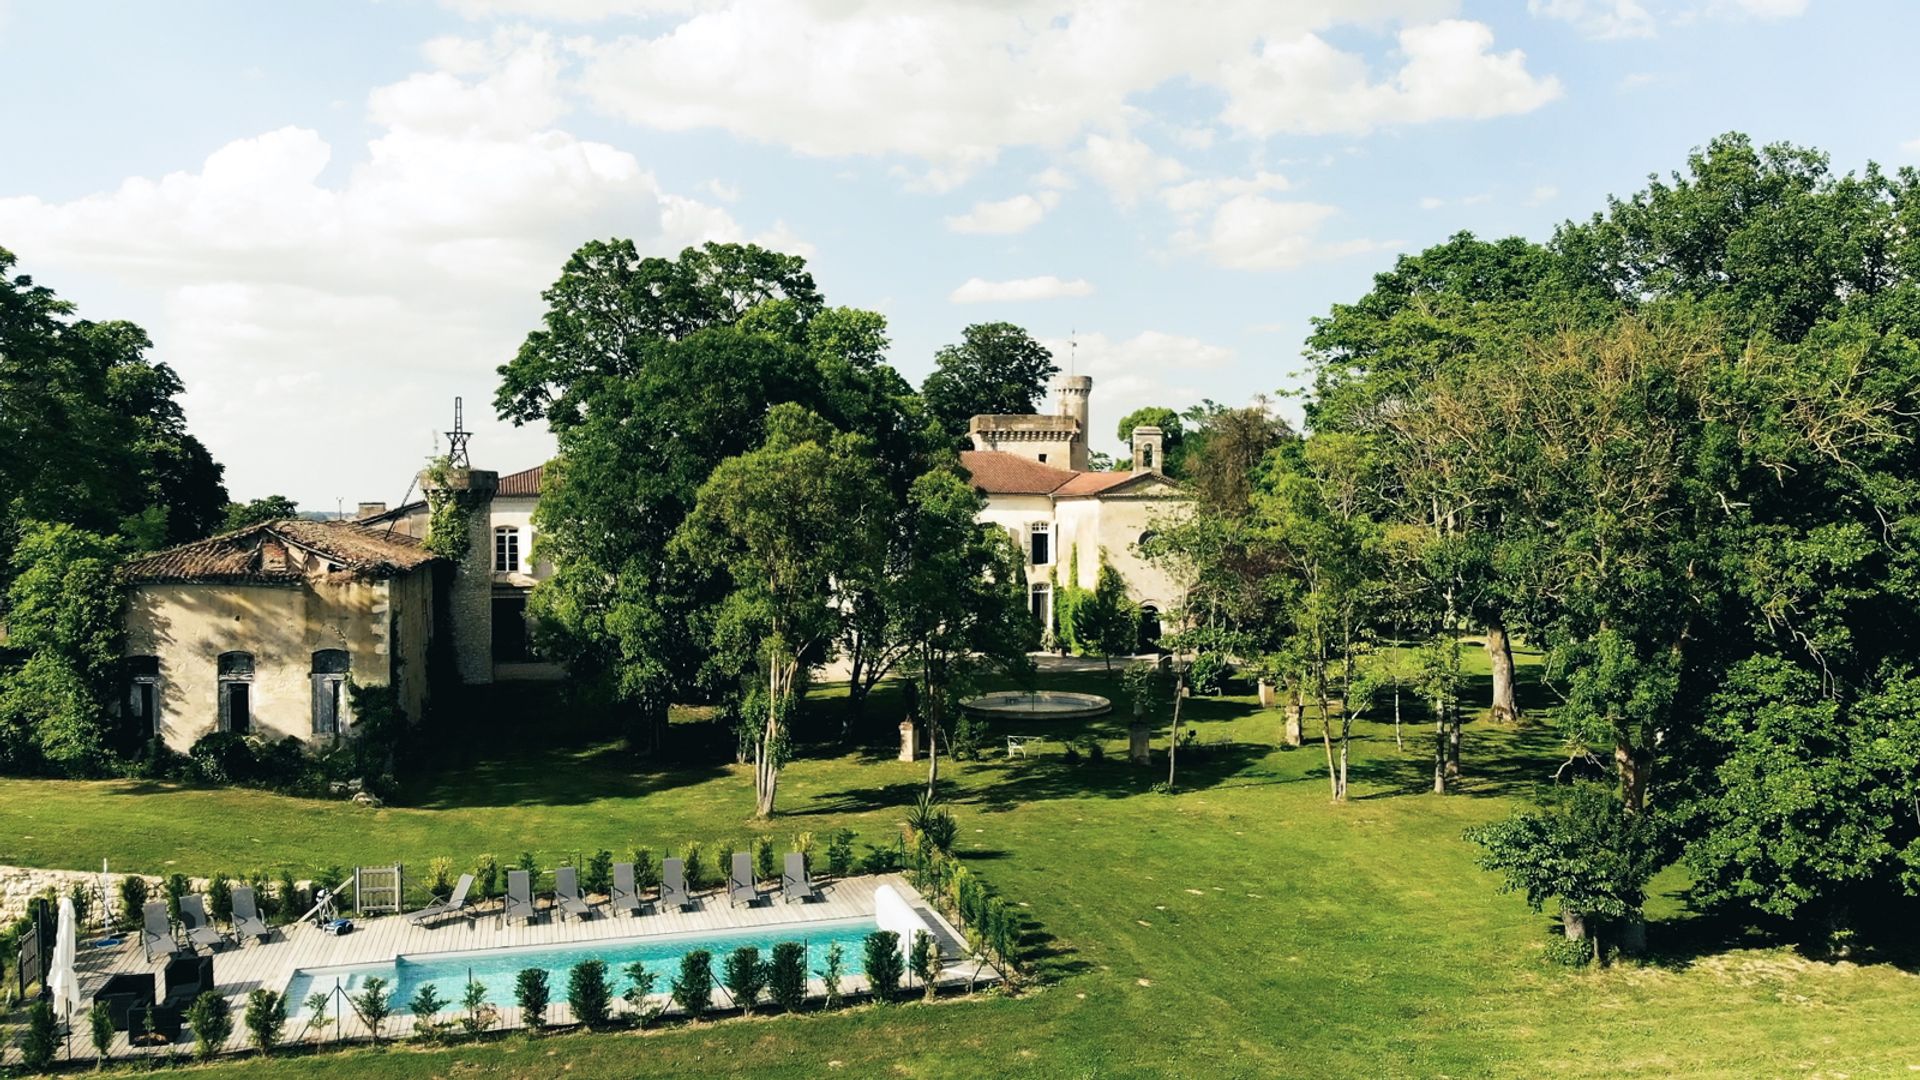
(498, 968)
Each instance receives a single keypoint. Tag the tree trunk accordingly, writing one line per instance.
(1398, 744)
(1575, 924)
(934, 698)
(856, 690)
(1633, 776)
(1500, 659)
(1173, 743)
(1440, 750)
(1346, 743)
(1326, 741)
(1453, 743)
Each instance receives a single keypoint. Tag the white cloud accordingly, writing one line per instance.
(1053, 178)
(1252, 232)
(1911, 147)
(1304, 85)
(1018, 214)
(1756, 9)
(1127, 167)
(1195, 196)
(1543, 194)
(568, 10)
(1634, 80)
(1430, 202)
(295, 287)
(953, 83)
(1603, 19)
(720, 189)
(1048, 287)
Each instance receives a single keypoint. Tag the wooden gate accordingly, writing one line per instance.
(376, 889)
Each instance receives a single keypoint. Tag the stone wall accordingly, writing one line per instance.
(19, 884)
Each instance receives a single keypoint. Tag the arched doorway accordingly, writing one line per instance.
(1149, 628)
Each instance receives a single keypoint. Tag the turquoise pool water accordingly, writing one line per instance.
(498, 968)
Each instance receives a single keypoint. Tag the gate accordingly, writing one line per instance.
(377, 889)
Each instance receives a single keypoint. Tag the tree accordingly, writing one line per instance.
(266, 1019)
(532, 991)
(997, 368)
(782, 522)
(64, 610)
(1223, 452)
(589, 993)
(210, 1019)
(258, 511)
(1586, 851)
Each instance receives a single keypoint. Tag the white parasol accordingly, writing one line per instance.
(62, 980)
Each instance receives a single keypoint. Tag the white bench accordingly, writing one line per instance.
(1017, 744)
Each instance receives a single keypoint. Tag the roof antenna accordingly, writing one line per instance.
(1073, 350)
(457, 440)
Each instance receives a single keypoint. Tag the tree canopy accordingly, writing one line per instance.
(995, 368)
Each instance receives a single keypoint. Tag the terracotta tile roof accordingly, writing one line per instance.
(526, 482)
(256, 554)
(997, 472)
(1093, 483)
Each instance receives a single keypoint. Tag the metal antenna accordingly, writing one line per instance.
(457, 440)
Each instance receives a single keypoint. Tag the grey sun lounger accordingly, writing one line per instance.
(740, 886)
(156, 936)
(566, 893)
(246, 915)
(626, 897)
(456, 904)
(520, 897)
(673, 884)
(200, 929)
(795, 884)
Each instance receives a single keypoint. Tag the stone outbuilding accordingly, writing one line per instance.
(258, 631)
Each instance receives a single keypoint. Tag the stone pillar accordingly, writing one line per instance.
(1294, 735)
(1267, 697)
(1139, 742)
(470, 596)
(909, 739)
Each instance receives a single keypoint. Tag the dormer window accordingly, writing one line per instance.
(506, 550)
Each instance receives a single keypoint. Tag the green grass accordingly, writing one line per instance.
(1244, 927)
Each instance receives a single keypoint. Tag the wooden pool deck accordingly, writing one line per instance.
(240, 969)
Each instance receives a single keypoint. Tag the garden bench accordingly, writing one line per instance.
(1017, 744)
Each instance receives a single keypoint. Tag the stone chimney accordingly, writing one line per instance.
(1072, 392)
(1149, 449)
(470, 595)
(369, 509)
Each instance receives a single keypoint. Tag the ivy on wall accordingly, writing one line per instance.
(1101, 621)
(449, 514)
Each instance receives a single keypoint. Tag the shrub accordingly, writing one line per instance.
(1569, 952)
(745, 976)
(641, 987)
(831, 972)
(935, 822)
(589, 993)
(176, 888)
(723, 861)
(763, 859)
(1208, 672)
(969, 734)
(82, 898)
(787, 975)
(924, 960)
(693, 988)
(133, 897)
(840, 852)
(211, 1021)
(532, 868)
(425, 1007)
(479, 1015)
(266, 1019)
(881, 860)
(288, 897)
(223, 757)
(100, 1029)
(599, 876)
(646, 872)
(804, 844)
(220, 897)
(883, 964)
(531, 993)
(696, 869)
(440, 876)
(1071, 755)
(41, 1038)
(486, 875)
(316, 1006)
(374, 1003)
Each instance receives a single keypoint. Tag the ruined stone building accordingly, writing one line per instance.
(1034, 471)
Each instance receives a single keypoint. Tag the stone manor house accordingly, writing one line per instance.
(258, 631)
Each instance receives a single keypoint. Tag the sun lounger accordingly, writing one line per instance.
(246, 915)
(156, 935)
(566, 893)
(794, 883)
(740, 886)
(520, 897)
(456, 904)
(626, 897)
(673, 884)
(200, 929)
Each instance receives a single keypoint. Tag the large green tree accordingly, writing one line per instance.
(994, 368)
(64, 610)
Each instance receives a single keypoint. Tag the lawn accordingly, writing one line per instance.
(1243, 927)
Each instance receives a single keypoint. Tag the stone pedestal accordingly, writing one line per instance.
(909, 739)
(1139, 743)
(1267, 697)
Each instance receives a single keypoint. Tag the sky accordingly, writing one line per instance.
(335, 217)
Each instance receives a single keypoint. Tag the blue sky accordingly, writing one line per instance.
(333, 217)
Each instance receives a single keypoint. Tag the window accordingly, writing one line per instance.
(143, 694)
(236, 692)
(506, 549)
(1040, 602)
(1043, 459)
(510, 630)
(1040, 543)
(1146, 456)
(329, 691)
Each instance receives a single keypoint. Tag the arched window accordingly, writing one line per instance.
(236, 692)
(1040, 543)
(506, 550)
(329, 691)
